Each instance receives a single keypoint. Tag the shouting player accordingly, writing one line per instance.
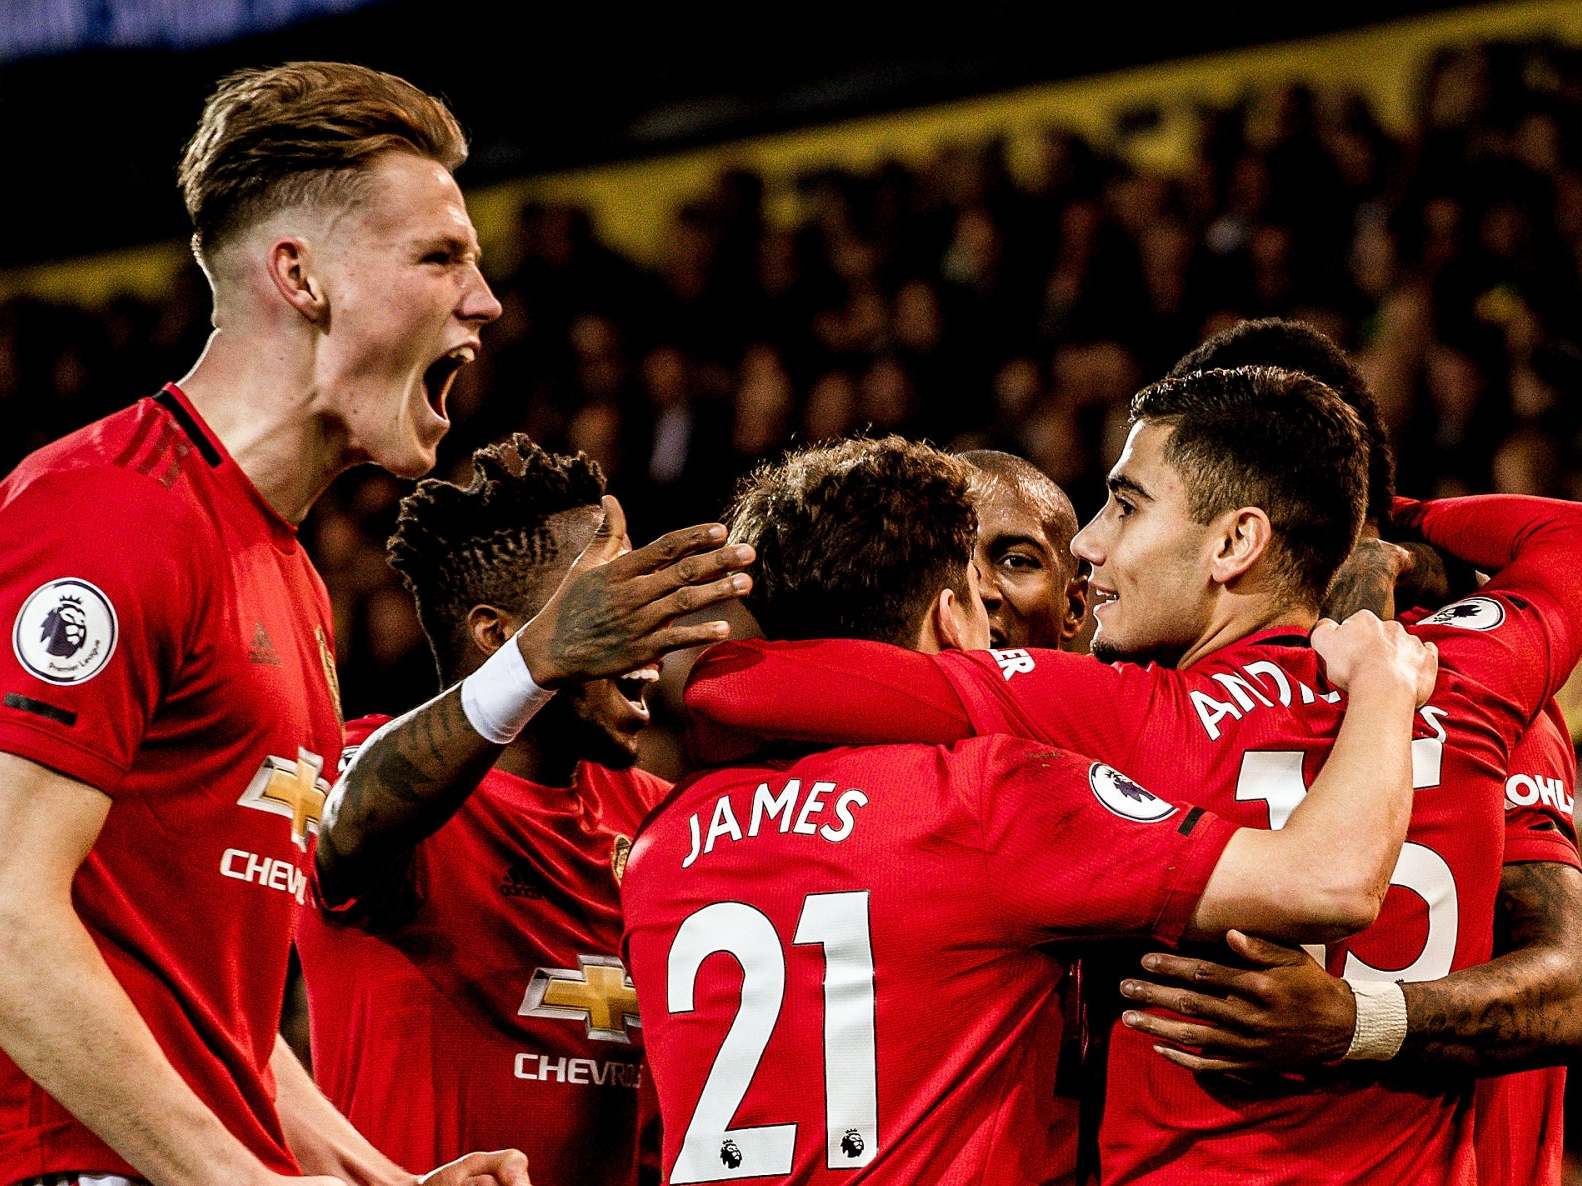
(1520, 1009)
(464, 980)
(841, 953)
(1219, 540)
(169, 688)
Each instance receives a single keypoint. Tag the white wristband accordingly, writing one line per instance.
(1381, 1020)
(501, 697)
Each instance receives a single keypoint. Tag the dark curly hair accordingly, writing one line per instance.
(855, 539)
(490, 542)
(1278, 440)
(1297, 346)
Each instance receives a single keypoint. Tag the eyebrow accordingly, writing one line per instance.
(1011, 540)
(452, 243)
(1119, 482)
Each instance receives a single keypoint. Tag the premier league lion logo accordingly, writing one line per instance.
(851, 1144)
(65, 628)
(65, 631)
(1473, 613)
(1125, 798)
(731, 1155)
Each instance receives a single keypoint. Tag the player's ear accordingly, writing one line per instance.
(947, 622)
(291, 271)
(1240, 538)
(1076, 603)
(489, 628)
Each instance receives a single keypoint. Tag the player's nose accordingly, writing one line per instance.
(479, 304)
(1087, 544)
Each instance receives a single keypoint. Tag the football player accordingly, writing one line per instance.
(1518, 1010)
(168, 700)
(463, 974)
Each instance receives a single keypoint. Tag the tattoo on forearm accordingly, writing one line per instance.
(1520, 1009)
(397, 791)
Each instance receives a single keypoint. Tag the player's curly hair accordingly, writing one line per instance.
(490, 542)
(1278, 440)
(855, 539)
(1297, 346)
(301, 133)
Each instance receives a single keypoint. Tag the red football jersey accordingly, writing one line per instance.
(495, 1012)
(840, 959)
(1243, 731)
(169, 645)
(1520, 1123)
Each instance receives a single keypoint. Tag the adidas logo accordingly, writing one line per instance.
(263, 648)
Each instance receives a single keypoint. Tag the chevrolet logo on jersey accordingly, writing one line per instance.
(295, 790)
(599, 993)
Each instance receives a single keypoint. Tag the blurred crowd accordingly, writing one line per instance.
(956, 300)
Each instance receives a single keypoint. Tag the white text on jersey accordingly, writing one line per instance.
(270, 872)
(543, 1068)
(770, 806)
(1524, 790)
(1243, 695)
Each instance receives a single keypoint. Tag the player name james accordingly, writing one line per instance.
(790, 810)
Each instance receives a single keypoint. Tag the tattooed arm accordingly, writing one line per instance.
(1382, 575)
(1284, 1012)
(1367, 580)
(1523, 1009)
(610, 615)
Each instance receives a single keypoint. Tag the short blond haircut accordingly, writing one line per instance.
(300, 134)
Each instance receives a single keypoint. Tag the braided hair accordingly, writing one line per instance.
(490, 542)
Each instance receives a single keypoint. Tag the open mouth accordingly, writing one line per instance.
(634, 686)
(996, 638)
(1101, 596)
(442, 373)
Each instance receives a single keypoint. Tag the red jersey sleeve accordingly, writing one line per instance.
(98, 593)
(1079, 850)
(843, 691)
(1520, 636)
(828, 690)
(1538, 794)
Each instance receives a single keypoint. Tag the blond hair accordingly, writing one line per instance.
(298, 134)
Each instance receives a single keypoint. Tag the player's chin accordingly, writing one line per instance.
(618, 749)
(414, 446)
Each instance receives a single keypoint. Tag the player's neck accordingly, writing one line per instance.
(266, 419)
(1237, 617)
(538, 759)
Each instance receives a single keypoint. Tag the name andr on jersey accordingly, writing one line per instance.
(1246, 692)
(782, 806)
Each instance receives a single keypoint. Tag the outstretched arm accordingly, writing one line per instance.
(1284, 1012)
(1328, 877)
(610, 615)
